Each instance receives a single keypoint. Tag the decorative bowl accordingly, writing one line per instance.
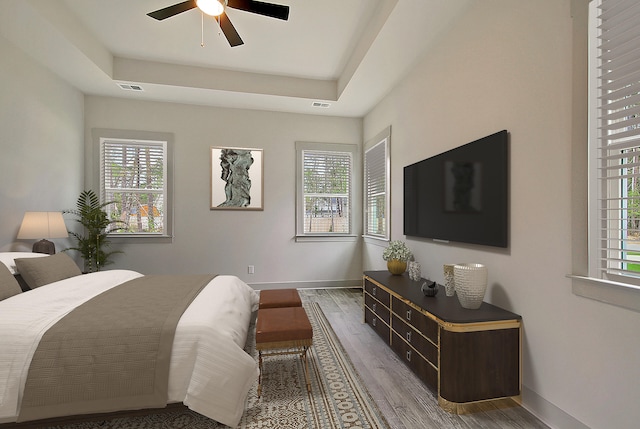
(429, 288)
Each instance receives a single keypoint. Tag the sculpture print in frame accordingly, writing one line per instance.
(236, 178)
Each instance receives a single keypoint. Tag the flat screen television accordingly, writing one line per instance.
(461, 195)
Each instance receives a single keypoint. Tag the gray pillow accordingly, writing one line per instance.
(8, 284)
(41, 271)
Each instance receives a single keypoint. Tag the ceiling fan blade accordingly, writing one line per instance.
(170, 11)
(267, 9)
(229, 30)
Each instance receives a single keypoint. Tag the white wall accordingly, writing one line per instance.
(503, 64)
(227, 241)
(41, 144)
(508, 65)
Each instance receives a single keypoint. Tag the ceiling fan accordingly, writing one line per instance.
(216, 8)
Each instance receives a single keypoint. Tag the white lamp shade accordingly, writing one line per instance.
(210, 7)
(42, 225)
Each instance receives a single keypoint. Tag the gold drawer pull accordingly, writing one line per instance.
(409, 355)
(409, 336)
(409, 315)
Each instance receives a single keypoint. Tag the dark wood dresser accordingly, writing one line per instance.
(467, 356)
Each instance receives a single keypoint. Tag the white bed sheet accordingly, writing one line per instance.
(210, 372)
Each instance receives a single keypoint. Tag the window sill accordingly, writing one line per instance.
(325, 238)
(378, 241)
(141, 238)
(610, 292)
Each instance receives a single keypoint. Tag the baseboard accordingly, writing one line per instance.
(312, 284)
(551, 415)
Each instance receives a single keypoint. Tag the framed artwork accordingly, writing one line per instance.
(236, 178)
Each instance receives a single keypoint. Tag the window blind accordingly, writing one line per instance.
(326, 178)
(619, 140)
(375, 167)
(133, 180)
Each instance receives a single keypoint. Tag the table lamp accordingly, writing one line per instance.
(43, 225)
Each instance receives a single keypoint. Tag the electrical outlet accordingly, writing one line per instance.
(251, 269)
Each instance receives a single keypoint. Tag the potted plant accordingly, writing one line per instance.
(397, 254)
(93, 241)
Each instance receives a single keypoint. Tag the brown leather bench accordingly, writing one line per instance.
(281, 331)
(276, 298)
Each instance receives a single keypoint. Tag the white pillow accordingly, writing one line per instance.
(8, 258)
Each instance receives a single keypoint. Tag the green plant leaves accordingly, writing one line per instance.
(96, 225)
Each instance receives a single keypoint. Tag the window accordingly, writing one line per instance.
(615, 142)
(324, 185)
(134, 179)
(376, 186)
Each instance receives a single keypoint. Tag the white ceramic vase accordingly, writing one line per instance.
(471, 284)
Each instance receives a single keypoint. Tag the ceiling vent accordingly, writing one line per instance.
(130, 87)
(321, 104)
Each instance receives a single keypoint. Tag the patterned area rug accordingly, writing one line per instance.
(338, 399)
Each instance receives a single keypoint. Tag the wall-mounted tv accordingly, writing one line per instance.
(461, 195)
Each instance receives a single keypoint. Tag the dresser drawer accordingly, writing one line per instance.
(377, 324)
(425, 347)
(376, 307)
(377, 292)
(422, 323)
(418, 365)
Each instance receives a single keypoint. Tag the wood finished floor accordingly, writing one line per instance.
(403, 399)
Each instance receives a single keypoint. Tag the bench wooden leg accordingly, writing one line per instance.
(303, 356)
(259, 373)
(301, 350)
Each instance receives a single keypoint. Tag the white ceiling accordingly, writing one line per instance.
(348, 53)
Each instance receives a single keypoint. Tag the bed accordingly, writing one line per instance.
(209, 371)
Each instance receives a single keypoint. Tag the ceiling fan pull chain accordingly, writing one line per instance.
(202, 29)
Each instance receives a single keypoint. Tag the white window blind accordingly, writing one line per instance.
(618, 148)
(375, 182)
(133, 178)
(326, 191)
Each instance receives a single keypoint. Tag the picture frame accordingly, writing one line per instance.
(237, 178)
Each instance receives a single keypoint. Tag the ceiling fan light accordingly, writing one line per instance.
(210, 7)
